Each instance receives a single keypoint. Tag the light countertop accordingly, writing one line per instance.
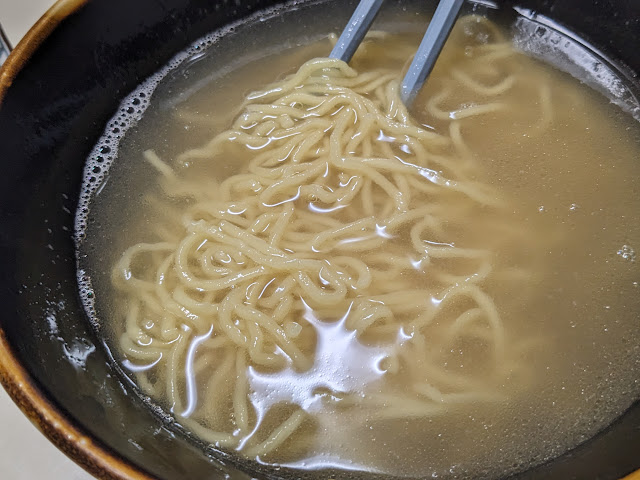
(25, 454)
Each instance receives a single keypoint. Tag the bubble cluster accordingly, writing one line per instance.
(542, 39)
(627, 253)
(87, 296)
(132, 109)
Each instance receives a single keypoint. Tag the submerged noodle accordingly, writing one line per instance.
(311, 223)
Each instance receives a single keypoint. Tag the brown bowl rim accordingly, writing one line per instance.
(82, 448)
(76, 444)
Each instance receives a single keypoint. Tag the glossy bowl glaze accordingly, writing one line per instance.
(58, 89)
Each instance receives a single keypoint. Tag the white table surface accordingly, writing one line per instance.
(25, 454)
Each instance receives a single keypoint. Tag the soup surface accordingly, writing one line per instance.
(313, 277)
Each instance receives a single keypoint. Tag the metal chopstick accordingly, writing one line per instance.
(427, 54)
(430, 47)
(356, 29)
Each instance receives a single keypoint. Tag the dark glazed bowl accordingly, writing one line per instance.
(58, 89)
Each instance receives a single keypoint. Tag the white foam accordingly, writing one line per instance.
(541, 38)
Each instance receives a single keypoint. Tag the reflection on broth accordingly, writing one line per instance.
(314, 277)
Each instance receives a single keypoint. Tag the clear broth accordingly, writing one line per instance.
(573, 190)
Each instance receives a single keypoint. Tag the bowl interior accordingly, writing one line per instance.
(50, 119)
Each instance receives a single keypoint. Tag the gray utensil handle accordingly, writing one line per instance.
(5, 46)
(362, 18)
